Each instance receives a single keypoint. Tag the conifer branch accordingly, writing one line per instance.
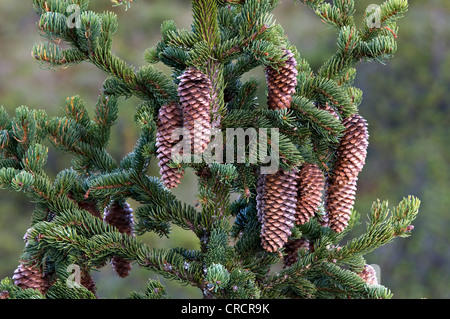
(292, 216)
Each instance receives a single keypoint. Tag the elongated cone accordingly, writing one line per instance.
(352, 150)
(351, 155)
(291, 249)
(120, 215)
(281, 83)
(311, 184)
(169, 119)
(194, 92)
(276, 202)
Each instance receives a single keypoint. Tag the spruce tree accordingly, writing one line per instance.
(296, 215)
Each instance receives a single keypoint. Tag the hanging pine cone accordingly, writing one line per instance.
(169, 119)
(30, 276)
(352, 150)
(311, 184)
(86, 205)
(351, 155)
(339, 204)
(276, 202)
(88, 282)
(291, 249)
(281, 83)
(194, 92)
(369, 275)
(120, 215)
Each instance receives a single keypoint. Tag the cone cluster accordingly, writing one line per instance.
(26, 276)
(120, 215)
(194, 91)
(291, 249)
(351, 155)
(169, 119)
(276, 203)
(281, 83)
(311, 184)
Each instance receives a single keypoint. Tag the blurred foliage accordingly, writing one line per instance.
(406, 104)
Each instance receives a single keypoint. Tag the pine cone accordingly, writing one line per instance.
(276, 201)
(121, 266)
(194, 92)
(291, 249)
(281, 83)
(169, 119)
(311, 184)
(369, 275)
(88, 282)
(120, 215)
(87, 205)
(4, 294)
(352, 150)
(351, 155)
(30, 276)
(329, 109)
(339, 204)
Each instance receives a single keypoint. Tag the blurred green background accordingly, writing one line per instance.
(406, 103)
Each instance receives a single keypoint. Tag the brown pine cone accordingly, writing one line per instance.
(87, 205)
(120, 215)
(291, 249)
(281, 83)
(30, 276)
(88, 282)
(352, 150)
(121, 266)
(328, 108)
(369, 275)
(276, 202)
(351, 154)
(4, 294)
(194, 92)
(311, 184)
(339, 204)
(169, 119)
